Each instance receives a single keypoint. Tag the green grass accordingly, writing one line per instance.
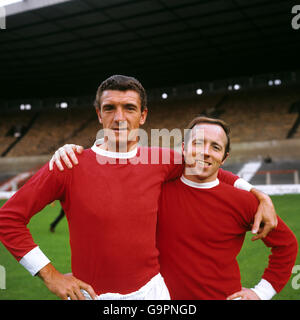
(19, 282)
(21, 285)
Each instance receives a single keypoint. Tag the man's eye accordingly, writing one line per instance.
(108, 108)
(131, 108)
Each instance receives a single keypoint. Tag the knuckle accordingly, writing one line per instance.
(89, 288)
(62, 293)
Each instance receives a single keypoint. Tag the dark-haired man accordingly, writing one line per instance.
(202, 223)
(111, 203)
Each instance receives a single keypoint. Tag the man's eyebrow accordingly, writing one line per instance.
(107, 105)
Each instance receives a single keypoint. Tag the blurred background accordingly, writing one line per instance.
(236, 59)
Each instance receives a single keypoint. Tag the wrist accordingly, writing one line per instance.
(261, 196)
(264, 290)
(34, 261)
(47, 272)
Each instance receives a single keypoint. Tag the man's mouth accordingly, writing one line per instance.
(203, 163)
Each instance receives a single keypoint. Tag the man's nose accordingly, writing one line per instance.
(206, 150)
(119, 115)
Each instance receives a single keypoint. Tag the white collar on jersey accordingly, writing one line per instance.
(111, 154)
(199, 185)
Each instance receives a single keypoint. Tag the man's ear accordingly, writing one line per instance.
(143, 116)
(182, 148)
(99, 114)
(225, 158)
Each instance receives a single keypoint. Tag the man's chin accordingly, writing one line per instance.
(120, 145)
(194, 170)
(200, 171)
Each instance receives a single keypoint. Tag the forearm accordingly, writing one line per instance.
(284, 249)
(265, 214)
(261, 196)
(47, 273)
(15, 215)
(13, 232)
(19, 242)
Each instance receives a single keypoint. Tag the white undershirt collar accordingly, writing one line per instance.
(111, 154)
(199, 185)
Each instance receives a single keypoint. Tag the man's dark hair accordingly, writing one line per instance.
(121, 83)
(219, 122)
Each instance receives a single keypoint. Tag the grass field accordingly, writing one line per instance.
(21, 285)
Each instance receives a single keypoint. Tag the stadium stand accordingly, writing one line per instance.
(52, 128)
(297, 134)
(254, 115)
(11, 126)
(295, 130)
(178, 113)
(260, 115)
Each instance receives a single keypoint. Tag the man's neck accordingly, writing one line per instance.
(198, 178)
(101, 148)
(120, 148)
(199, 185)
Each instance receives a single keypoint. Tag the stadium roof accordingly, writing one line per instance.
(69, 47)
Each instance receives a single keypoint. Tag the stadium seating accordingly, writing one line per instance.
(260, 115)
(297, 134)
(177, 113)
(52, 128)
(8, 122)
(254, 115)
